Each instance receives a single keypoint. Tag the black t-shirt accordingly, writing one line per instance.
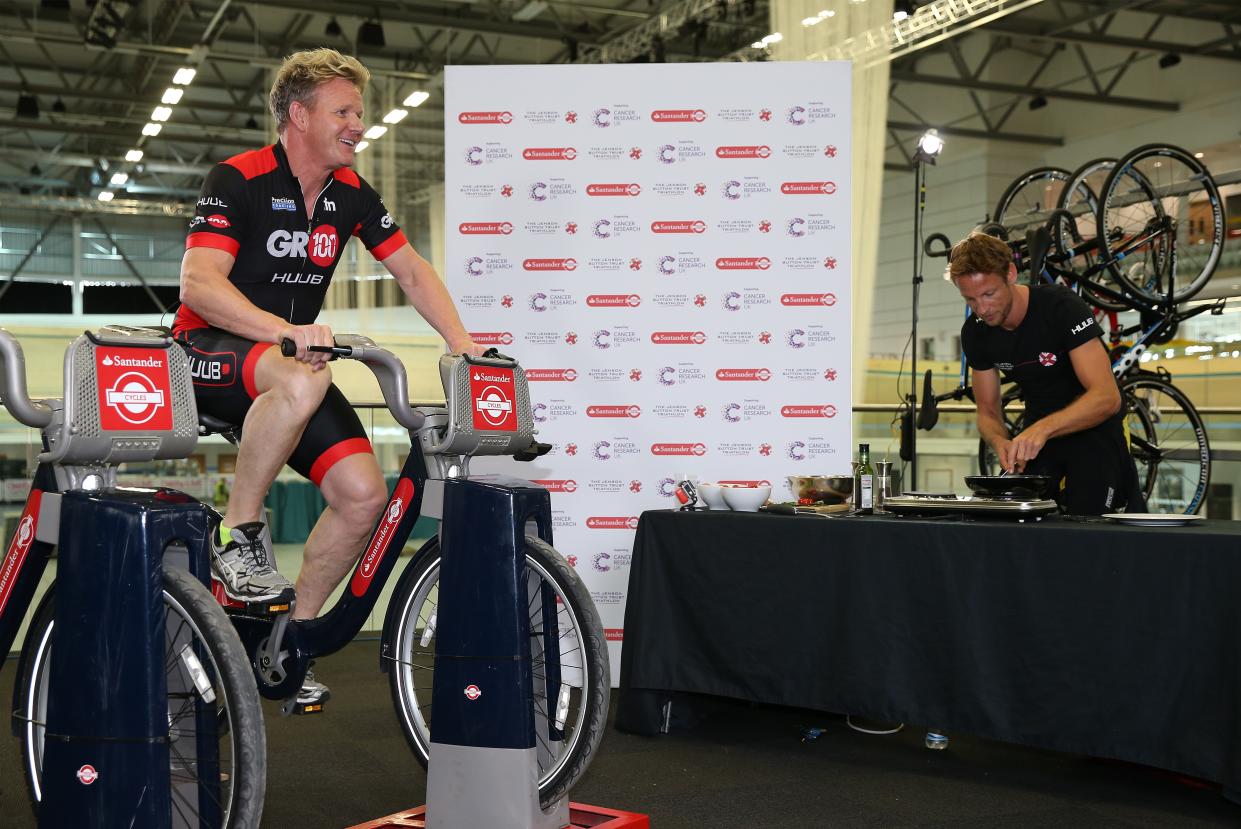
(251, 206)
(1036, 354)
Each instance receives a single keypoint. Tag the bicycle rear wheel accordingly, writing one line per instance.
(1168, 442)
(569, 727)
(208, 680)
(1147, 185)
(1028, 201)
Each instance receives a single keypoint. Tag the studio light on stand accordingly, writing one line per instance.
(930, 145)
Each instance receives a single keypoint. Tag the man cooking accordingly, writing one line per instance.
(1047, 341)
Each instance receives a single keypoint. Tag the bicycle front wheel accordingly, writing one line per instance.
(1168, 442)
(1028, 201)
(569, 723)
(1079, 235)
(209, 681)
(1151, 185)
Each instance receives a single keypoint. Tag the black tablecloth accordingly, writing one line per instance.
(1098, 639)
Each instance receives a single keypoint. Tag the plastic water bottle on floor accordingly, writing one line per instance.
(936, 741)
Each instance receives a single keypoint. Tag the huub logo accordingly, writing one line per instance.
(1083, 325)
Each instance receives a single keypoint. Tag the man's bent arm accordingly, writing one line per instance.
(991, 426)
(426, 292)
(205, 288)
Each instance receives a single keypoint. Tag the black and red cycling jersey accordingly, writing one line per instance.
(251, 206)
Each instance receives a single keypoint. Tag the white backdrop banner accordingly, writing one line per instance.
(666, 251)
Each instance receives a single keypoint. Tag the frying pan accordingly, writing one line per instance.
(1008, 485)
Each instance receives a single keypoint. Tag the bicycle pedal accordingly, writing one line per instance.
(292, 708)
(235, 607)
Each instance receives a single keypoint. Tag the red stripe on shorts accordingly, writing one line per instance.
(336, 453)
(247, 368)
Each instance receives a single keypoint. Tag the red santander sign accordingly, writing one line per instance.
(687, 226)
(678, 338)
(678, 116)
(803, 300)
(549, 153)
(485, 228)
(743, 263)
(549, 264)
(613, 300)
(761, 375)
(827, 410)
(558, 485)
(665, 449)
(612, 522)
(485, 118)
(614, 411)
(760, 151)
(492, 338)
(808, 188)
(613, 189)
(555, 375)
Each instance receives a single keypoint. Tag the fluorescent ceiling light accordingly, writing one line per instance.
(395, 116)
(119, 179)
(152, 129)
(106, 195)
(133, 155)
(416, 99)
(172, 95)
(362, 145)
(185, 75)
(375, 132)
(530, 11)
(161, 113)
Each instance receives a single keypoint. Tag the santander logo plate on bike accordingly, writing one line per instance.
(491, 389)
(135, 391)
(398, 505)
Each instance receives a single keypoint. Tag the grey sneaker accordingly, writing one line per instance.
(244, 566)
(313, 692)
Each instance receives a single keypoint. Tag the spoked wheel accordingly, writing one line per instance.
(1168, 442)
(569, 721)
(1030, 199)
(210, 688)
(1079, 235)
(1154, 184)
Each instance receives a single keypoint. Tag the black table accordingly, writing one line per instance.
(1091, 638)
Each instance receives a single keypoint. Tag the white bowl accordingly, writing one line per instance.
(746, 498)
(712, 495)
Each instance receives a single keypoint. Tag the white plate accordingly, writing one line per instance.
(1152, 519)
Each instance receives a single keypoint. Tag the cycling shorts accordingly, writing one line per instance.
(222, 369)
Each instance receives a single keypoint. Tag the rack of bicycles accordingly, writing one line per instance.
(1142, 234)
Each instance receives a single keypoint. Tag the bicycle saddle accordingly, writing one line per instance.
(1038, 245)
(208, 425)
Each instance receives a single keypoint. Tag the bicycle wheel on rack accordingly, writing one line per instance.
(569, 727)
(1168, 442)
(1147, 185)
(1030, 199)
(1079, 235)
(209, 681)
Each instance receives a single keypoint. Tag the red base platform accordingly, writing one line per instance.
(581, 816)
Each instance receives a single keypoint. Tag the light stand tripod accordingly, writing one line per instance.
(929, 146)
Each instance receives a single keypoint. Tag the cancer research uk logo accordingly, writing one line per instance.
(813, 112)
(135, 391)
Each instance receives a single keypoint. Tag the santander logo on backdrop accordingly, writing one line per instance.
(485, 118)
(631, 189)
(613, 300)
(743, 263)
(679, 116)
(808, 188)
(687, 226)
(549, 153)
(485, 228)
(544, 375)
(549, 264)
(758, 151)
(761, 375)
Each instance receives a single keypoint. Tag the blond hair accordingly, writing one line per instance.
(979, 253)
(303, 72)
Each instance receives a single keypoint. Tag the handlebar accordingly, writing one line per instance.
(388, 370)
(29, 412)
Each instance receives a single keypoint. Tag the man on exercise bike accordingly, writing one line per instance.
(268, 232)
(1047, 341)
